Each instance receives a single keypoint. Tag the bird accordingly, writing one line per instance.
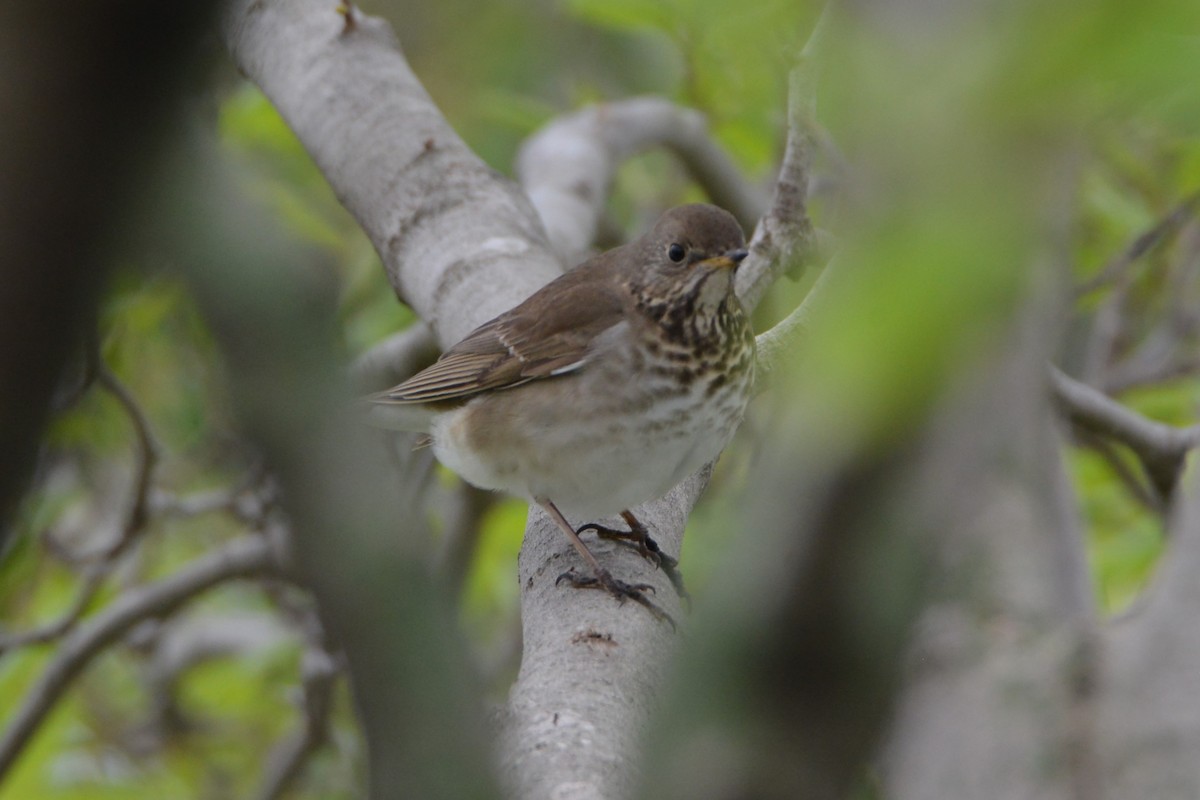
(602, 390)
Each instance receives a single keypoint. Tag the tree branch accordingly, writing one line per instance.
(146, 462)
(592, 671)
(92, 581)
(1169, 225)
(1130, 477)
(784, 240)
(397, 357)
(460, 243)
(778, 342)
(460, 246)
(566, 729)
(1161, 448)
(99, 564)
(287, 761)
(240, 558)
(1168, 351)
(1147, 716)
(1155, 358)
(1144, 372)
(568, 166)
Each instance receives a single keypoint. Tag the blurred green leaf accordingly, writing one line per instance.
(491, 596)
(625, 14)
(1125, 539)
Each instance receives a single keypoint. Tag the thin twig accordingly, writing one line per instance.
(1107, 325)
(92, 580)
(147, 458)
(1161, 448)
(248, 501)
(1142, 244)
(169, 504)
(240, 558)
(1134, 483)
(1144, 374)
(784, 240)
(1183, 280)
(147, 461)
(98, 565)
(1168, 350)
(1110, 323)
(289, 757)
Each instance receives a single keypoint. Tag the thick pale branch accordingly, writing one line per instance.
(568, 166)
(591, 668)
(1149, 698)
(593, 671)
(460, 243)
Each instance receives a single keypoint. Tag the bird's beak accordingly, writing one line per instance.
(729, 260)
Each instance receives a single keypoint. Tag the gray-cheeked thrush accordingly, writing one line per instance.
(603, 389)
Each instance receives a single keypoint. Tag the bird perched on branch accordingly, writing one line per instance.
(604, 389)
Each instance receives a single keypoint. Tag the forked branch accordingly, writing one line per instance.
(1161, 448)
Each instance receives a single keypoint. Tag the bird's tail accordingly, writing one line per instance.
(380, 413)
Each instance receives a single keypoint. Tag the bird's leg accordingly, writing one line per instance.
(601, 578)
(638, 537)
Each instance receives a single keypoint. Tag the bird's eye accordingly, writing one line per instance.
(676, 252)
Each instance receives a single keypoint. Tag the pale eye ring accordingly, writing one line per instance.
(676, 252)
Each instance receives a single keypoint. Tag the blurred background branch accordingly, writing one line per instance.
(1161, 449)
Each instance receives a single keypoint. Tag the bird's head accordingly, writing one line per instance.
(687, 262)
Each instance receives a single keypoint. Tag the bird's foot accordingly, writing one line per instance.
(621, 590)
(640, 540)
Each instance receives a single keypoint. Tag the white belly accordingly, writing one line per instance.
(589, 466)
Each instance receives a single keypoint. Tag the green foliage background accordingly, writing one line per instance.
(1102, 77)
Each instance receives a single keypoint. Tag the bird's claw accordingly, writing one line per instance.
(619, 589)
(640, 540)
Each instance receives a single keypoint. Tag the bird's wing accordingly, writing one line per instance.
(533, 341)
